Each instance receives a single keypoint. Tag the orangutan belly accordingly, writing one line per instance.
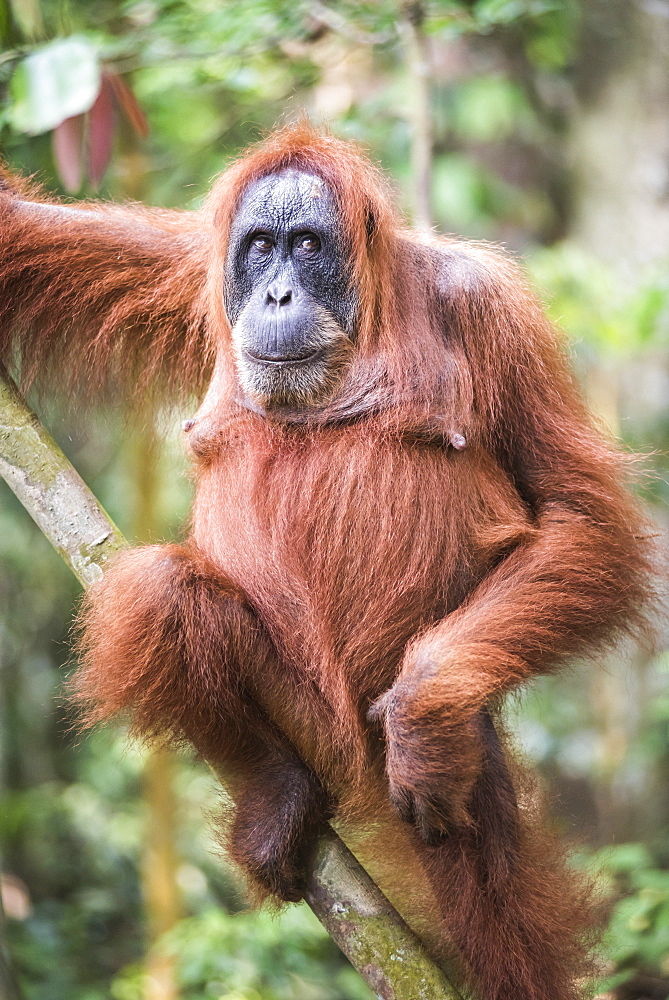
(347, 545)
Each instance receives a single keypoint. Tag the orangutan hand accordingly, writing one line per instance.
(433, 757)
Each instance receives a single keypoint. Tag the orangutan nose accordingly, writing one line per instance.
(278, 295)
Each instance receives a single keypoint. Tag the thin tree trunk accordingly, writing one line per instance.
(162, 899)
(161, 891)
(419, 72)
(619, 134)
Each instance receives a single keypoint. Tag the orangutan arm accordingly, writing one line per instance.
(578, 583)
(96, 295)
(583, 579)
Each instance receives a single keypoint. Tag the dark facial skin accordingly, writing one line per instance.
(287, 293)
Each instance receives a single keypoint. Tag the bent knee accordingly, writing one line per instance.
(164, 561)
(160, 575)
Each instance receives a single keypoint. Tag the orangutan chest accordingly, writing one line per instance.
(328, 537)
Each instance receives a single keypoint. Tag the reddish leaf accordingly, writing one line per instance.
(101, 128)
(68, 151)
(126, 100)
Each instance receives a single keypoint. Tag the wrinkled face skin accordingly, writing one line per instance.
(287, 293)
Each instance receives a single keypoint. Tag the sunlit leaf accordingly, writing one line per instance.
(505, 11)
(54, 83)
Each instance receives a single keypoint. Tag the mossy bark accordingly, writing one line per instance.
(51, 490)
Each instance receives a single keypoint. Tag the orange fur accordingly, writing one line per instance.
(98, 297)
(362, 568)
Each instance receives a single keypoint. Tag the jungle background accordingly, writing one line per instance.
(542, 125)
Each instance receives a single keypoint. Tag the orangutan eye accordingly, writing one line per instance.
(308, 243)
(263, 244)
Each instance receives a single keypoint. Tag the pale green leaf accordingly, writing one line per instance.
(53, 83)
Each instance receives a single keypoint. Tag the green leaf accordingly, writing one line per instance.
(53, 83)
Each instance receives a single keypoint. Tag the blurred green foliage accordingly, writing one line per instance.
(639, 926)
(210, 77)
(255, 956)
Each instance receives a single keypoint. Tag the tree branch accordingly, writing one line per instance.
(359, 918)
